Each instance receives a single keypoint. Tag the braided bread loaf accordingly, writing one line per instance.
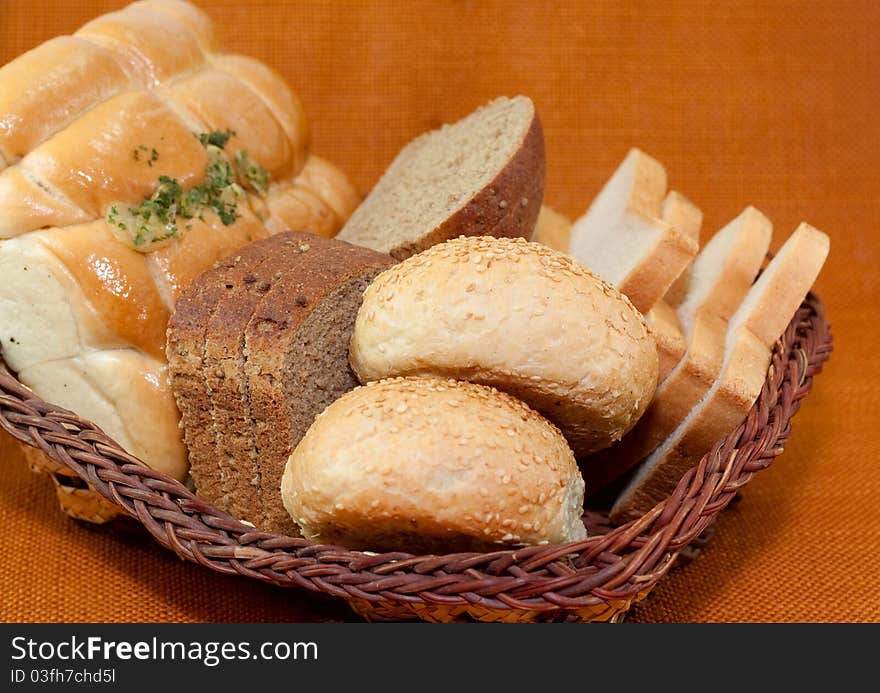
(134, 115)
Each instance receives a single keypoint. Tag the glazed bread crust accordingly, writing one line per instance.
(89, 123)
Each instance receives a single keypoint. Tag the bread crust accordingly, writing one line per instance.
(508, 206)
(193, 373)
(553, 229)
(633, 198)
(650, 279)
(696, 373)
(225, 372)
(668, 333)
(681, 213)
(721, 413)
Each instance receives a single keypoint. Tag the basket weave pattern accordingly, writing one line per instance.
(596, 579)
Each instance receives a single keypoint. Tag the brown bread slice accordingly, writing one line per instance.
(223, 368)
(481, 176)
(185, 350)
(296, 356)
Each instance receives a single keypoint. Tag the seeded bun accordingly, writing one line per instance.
(433, 465)
(520, 317)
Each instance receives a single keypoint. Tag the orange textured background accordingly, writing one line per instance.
(767, 103)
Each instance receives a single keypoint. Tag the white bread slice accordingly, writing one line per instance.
(553, 229)
(680, 212)
(757, 324)
(623, 239)
(721, 276)
(669, 336)
(481, 176)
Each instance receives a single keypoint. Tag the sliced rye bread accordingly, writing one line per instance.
(721, 277)
(761, 318)
(223, 367)
(296, 357)
(623, 238)
(482, 176)
(185, 350)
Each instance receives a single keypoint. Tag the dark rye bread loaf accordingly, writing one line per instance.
(296, 348)
(481, 176)
(257, 347)
(185, 350)
(223, 368)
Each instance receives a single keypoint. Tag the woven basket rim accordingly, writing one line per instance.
(608, 570)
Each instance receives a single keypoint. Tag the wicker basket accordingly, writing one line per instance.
(596, 579)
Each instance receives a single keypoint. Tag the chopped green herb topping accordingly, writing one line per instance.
(149, 153)
(154, 221)
(218, 138)
(251, 174)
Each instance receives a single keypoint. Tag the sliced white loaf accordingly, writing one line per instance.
(757, 324)
(483, 175)
(682, 214)
(669, 335)
(623, 239)
(721, 276)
